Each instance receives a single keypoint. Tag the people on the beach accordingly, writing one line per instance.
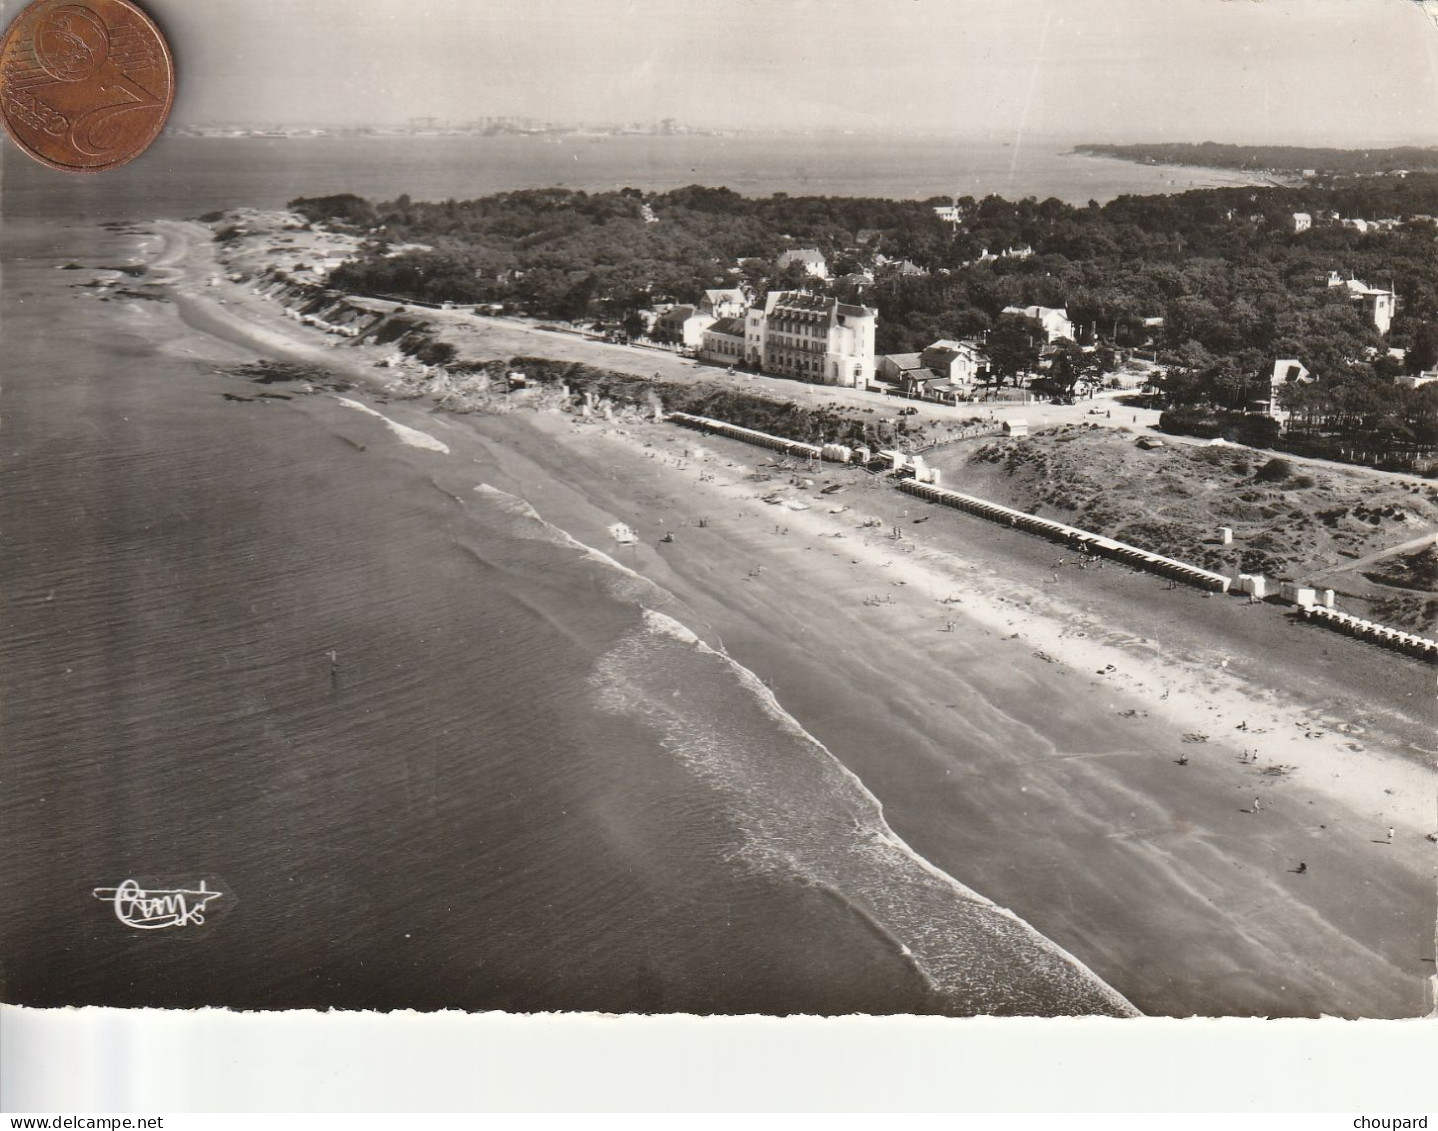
(1257, 808)
(1183, 759)
(1302, 867)
(1390, 836)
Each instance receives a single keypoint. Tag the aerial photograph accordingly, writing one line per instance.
(863, 507)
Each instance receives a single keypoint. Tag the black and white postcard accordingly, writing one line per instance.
(920, 509)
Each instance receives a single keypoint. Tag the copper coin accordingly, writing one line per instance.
(85, 86)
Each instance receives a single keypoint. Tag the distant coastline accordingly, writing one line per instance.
(1283, 163)
(266, 172)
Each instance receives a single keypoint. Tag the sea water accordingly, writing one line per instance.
(181, 177)
(435, 752)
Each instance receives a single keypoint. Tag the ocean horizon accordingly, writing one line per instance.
(181, 177)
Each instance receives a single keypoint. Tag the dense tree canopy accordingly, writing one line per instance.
(1220, 267)
(1215, 281)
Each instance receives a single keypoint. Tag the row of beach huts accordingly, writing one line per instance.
(1349, 625)
(1083, 541)
(831, 453)
(834, 453)
(923, 482)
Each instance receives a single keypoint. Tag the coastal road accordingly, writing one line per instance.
(1428, 539)
(510, 337)
(522, 338)
(480, 336)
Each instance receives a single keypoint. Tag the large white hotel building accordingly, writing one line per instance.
(811, 338)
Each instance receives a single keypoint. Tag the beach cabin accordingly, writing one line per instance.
(1016, 427)
(1304, 596)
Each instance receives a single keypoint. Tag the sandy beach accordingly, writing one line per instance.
(1159, 876)
(1112, 806)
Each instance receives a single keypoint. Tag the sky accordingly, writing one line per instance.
(1341, 72)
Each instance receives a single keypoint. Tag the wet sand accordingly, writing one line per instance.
(1052, 789)
(267, 638)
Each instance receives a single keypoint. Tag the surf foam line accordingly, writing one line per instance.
(522, 509)
(636, 588)
(800, 814)
(981, 957)
(411, 437)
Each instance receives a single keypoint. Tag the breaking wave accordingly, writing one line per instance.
(796, 814)
(800, 816)
(411, 437)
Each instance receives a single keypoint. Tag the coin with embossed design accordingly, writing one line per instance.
(85, 85)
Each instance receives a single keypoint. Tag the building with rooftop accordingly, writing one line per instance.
(754, 335)
(902, 267)
(811, 258)
(949, 213)
(891, 367)
(1286, 371)
(682, 326)
(727, 303)
(723, 342)
(1055, 320)
(925, 384)
(956, 362)
(1379, 305)
(814, 338)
